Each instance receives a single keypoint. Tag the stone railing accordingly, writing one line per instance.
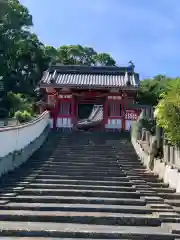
(167, 166)
(18, 143)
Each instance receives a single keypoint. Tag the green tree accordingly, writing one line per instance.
(22, 55)
(168, 113)
(151, 89)
(104, 59)
(23, 58)
(79, 55)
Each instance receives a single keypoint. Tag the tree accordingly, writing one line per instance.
(104, 59)
(79, 55)
(23, 58)
(168, 113)
(22, 55)
(151, 89)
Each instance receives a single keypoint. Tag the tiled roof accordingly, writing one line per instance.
(83, 76)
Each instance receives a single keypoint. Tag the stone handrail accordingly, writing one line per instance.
(17, 137)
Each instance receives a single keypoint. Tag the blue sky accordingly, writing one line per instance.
(144, 31)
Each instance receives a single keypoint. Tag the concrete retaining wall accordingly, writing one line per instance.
(165, 172)
(32, 136)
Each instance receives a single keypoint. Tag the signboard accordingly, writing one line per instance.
(65, 96)
(115, 90)
(131, 115)
(114, 97)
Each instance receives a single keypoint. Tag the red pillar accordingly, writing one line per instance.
(55, 112)
(73, 113)
(105, 112)
(123, 107)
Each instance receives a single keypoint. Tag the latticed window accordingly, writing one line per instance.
(65, 108)
(114, 109)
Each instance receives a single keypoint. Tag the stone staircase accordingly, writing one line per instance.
(87, 186)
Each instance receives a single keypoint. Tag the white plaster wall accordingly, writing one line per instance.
(16, 138)
(165, 172)
(64, 122)
(11, 161)
(114, 124)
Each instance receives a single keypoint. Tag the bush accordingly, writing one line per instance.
(19, 102)
(23, 116)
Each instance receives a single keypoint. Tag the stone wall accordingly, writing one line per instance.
(18, 143)
(166, 172)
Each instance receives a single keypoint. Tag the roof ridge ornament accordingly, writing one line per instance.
(132, 65)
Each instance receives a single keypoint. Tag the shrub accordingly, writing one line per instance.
(23, 116)
(18, 102)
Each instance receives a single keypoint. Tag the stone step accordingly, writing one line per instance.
(76, 164)
(152, 185)
(99, 218)
(56, 177)
(77, 157)
(158, 190)
(160, 206)
(174, 202)
(80, 168)
(171, 196)
(47, 238)
(86, 208)
(79, 207)
(146, 175)
(128, 164)
(85, 169)
(168, 214)
(85, 193)
(75, 199)
(161, 184)
(154, 194)
(67, 170)
(153, 199)
(80, 187)
(65, 177)
(150, 179)
(177, 209)
(172, 227)
(62, 230)
(79, 173)
(75, 182)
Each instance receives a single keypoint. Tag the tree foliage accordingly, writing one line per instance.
(151, 90)
(168, 113)
(78, 55)
(23, 58)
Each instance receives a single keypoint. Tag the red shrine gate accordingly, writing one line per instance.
(64, 99)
